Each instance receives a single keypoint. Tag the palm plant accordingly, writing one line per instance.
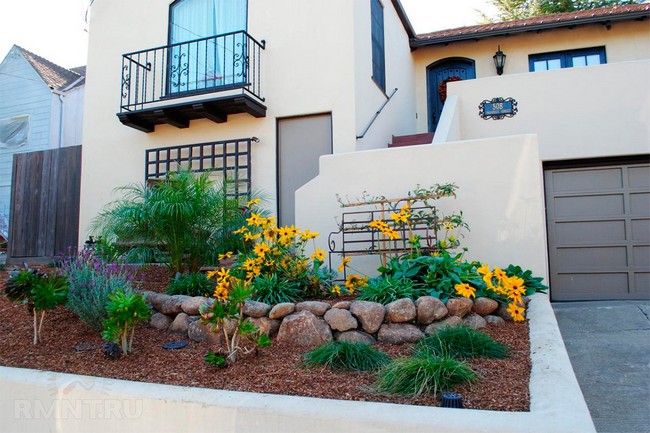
(182, 218)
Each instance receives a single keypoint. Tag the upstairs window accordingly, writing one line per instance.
(377, 31)
(211, 44)
(567, 59)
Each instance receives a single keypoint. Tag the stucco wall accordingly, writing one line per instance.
(308, 67)
(625, 41)
(500, 194)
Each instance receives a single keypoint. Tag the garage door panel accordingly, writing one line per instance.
(639, 177)
(641, 256)
(642, 284)
(639, 203)
(590, 286)
(593, 258)
(590, 232)
(641, 230)
(588, 180)
(589, 206)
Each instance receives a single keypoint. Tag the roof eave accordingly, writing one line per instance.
(401, 13)
(603, 20)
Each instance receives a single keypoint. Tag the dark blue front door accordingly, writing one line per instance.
(441, 72)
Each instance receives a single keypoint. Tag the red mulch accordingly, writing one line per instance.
(503, 384)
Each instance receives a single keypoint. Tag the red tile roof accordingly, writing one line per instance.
(568, 19)
(55, 76)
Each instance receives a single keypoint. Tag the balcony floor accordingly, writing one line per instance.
(179, 114)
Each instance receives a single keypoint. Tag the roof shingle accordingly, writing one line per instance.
(55, 76)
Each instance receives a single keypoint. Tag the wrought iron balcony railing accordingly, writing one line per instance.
(219, 63)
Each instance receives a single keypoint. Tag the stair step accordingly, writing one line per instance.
(411, 140)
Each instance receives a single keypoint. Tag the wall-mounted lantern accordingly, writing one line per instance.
(499, 60)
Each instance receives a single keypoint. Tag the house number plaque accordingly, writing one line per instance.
(497, 108)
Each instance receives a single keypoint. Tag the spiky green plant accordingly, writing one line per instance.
(423, 375)
(386, 289)
(342, 355)
(460, 342)
(192, 284)
(184, 216)
(273, 290)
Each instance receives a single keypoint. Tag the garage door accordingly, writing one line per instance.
(599, 231)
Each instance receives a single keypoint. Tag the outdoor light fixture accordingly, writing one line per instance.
(499, 60)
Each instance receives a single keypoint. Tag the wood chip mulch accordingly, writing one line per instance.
(502, 385)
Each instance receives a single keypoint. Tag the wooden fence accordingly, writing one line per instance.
(44, 214)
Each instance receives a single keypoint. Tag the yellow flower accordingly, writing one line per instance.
(270, 233)
(251, 237)
(516, 312)
(353, 282)
(447, 226)
(390, 234)
(254, 219)
(253, 202)
(344, 263)
(484, 269)
(244, 229)
(261, 249)
(267, 223)
(211, 274)
(465, 290)
(225, 256)
(248, 264)
(221, 291)
(307, 234)
(499, 274)
(318, 255)
(223, 274)
(378, 224)
(336, 290)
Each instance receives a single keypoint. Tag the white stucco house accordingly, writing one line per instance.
(41, 107)
(307, 99)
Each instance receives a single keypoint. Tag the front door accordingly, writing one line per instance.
(438, 75)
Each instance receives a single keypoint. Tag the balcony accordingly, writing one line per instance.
(207, 78)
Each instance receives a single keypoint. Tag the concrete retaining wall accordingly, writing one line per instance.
(32, 400)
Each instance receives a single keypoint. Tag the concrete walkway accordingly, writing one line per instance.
(609, 346)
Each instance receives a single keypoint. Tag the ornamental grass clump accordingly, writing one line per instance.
(91, 281)
(191, 284)
(427, 374)
(460, 342)
(342, 355)
(386, 289)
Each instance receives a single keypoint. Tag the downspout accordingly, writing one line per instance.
(61, 112)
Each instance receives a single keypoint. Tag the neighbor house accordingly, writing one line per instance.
(41, 107)
(304, 100)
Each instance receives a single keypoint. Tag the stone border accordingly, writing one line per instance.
(85, 403)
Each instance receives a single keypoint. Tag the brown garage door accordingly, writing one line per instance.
(599, 231)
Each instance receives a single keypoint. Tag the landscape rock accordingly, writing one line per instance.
(485, 306)
(267, 326)
(400, 311)
(343, 305)
(474, 321)
(459, 306)
(200, 333)
(160, 321)
(173, 304)
(355, 337)
(180, 324)
(399, 333)
(502, 312)
(191, 306)
(370, 315)
(449, 321)
(340, 320)
(281, 310)
(157, 300)
(316, 307)
(304, 329)
(430, 309)
(494, 319)
(256, 309)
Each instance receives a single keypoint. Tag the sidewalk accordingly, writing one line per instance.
(609, 346)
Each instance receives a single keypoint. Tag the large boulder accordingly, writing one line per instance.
(173, 305)
(459, 307)
(157, 300)
(485, 306)
(304, 329)
(160, 321)
(400, 311)
(340, 320)
(355, 337)
(279, 311)
(317, 308)
(399, 333)
(496, 320)
(199, 332)
(191, 306)
(256, 309)
(267, 326)
(475, 321)
(370, 315)
(430, 309)
(180, 324)
(449, 321)
(343, 305)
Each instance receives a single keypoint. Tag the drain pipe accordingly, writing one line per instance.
(61, 112)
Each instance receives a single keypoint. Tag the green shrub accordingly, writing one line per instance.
(346, 356)
(386, 289)
(460, 342)
(91, 280)
(192, 284)
(270, 289)
(531, 283)
(125, 310)
(423, 375)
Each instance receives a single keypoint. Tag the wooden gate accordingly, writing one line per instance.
(44, 214)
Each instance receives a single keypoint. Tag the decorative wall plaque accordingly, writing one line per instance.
(497, 108)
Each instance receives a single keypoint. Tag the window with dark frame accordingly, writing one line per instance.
(377, 31)
(567, 59)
